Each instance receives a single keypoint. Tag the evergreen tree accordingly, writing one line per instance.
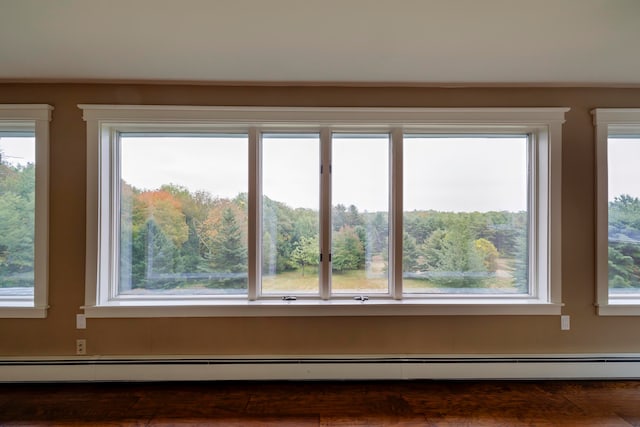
(433, 250)
(410, 254)
(229, 251)
(521, 260)
(459, 254)
(624, 242)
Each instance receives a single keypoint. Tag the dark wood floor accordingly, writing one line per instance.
(401, 403)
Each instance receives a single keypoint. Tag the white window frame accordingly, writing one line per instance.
(609, 121)
(543, 125)
(36, 118)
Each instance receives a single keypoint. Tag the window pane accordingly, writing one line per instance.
(290, 213)
(360, 214)
(183, 222)
(624, 216)
(465, 215)
(17, 214)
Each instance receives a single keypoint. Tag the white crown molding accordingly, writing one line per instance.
(322, 115)
(25, 112)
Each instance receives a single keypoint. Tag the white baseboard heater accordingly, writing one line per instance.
(101, 368)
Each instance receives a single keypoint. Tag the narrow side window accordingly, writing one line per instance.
(24, 148)
(618, 211)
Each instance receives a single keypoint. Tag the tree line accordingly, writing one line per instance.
(172, 238)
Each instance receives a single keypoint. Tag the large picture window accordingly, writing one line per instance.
(466, 214)
(183, 214)
(23, 209)
(265, 211)
(618, 245)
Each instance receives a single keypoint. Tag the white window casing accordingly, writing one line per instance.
(33, 118)
(610, 122)
(542, 125)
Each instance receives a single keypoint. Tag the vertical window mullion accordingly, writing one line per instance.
(325, 213)
(114, 210)
(254, 234)
(533, 229)
(395, 213)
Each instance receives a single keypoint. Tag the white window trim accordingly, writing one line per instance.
(544, 124)
(609, 121)
(37, 118)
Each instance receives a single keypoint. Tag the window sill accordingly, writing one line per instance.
(15, 311)
(305, 308)
(620, 307)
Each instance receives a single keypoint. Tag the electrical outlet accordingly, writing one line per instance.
(81, 346)
(565, 323)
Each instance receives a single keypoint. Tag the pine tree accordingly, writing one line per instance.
(229, 251)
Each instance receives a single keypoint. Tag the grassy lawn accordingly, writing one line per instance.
(372, 282)
(418, 285)
(355, 281)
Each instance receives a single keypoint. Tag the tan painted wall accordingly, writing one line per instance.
(56, 334)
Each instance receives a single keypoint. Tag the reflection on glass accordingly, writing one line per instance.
(360, 214)
(465, 215)
(290, 213)
(17, 214)
(183, 214)
(624, 216)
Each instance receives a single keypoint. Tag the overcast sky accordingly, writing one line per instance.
(624, 178)
(18, 150)
(448, 174)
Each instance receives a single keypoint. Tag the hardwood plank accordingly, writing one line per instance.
(237, 422)
(341, 404)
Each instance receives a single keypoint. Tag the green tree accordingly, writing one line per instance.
(16, 234)
(458, 249)
(433, 250)
(195, 208)
(378, 228)
(306, 252)
(339, 216)
(17, 226)
(353, 217)
(410, 253)
(348, 251)
(229, 250)
(621, 269)
(624, 242)
(521, 260)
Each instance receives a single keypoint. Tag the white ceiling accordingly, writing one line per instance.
(555, 42)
